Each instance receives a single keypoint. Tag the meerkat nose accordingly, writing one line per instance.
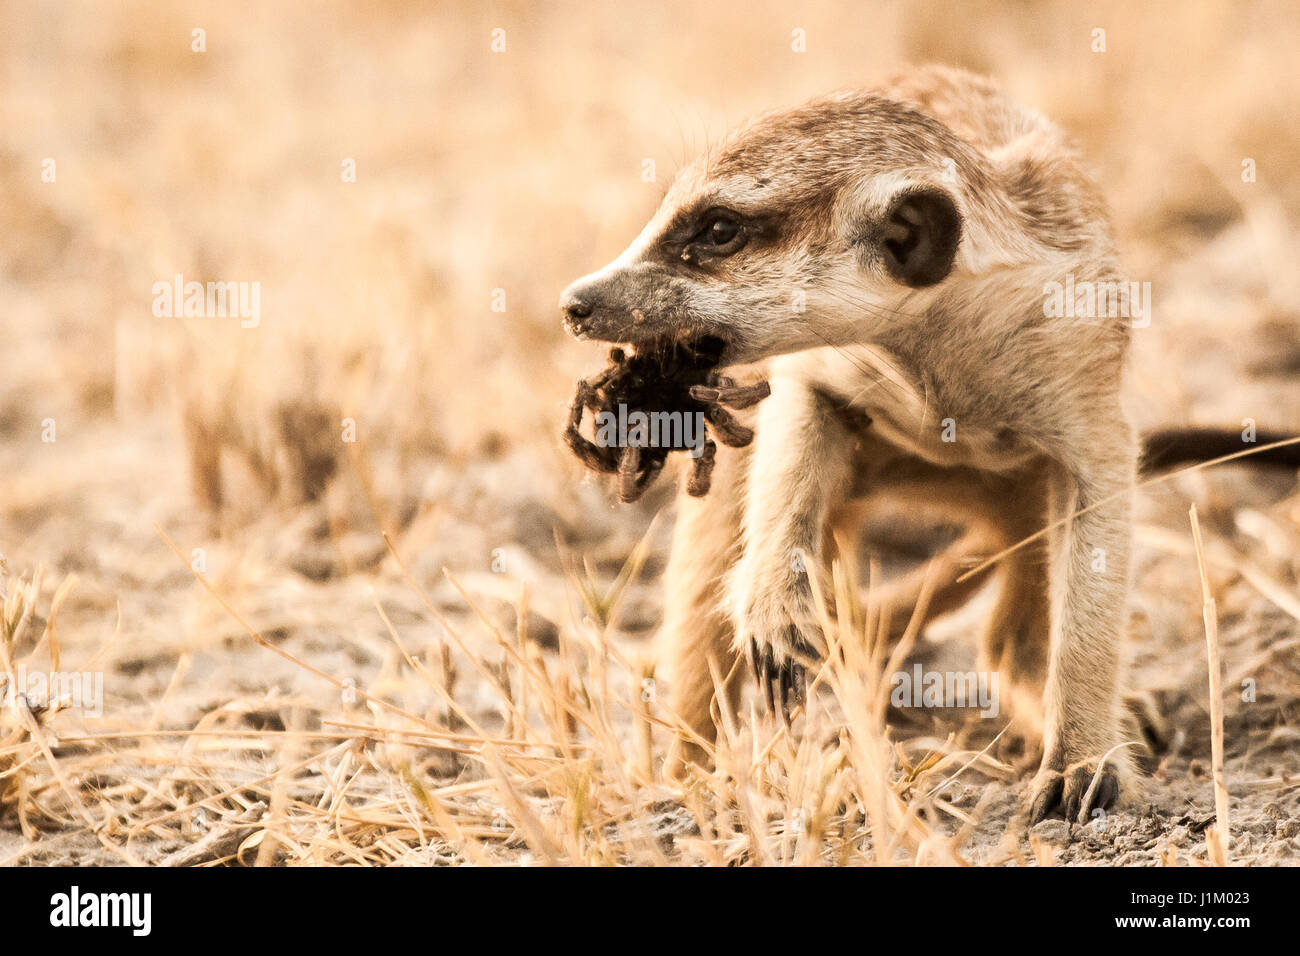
(577, 309)
(575, 306)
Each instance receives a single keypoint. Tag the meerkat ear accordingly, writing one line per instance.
(920, 235)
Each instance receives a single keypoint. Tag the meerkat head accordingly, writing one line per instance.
(807, 227)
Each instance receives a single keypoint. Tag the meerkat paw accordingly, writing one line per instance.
(780, 669)
(1078, 791)
(775, 637)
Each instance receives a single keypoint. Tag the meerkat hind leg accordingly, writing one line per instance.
(996, 512)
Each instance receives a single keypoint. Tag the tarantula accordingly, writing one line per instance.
(669, 377)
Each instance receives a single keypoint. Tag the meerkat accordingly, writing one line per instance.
(885, 254)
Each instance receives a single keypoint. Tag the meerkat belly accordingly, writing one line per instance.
(872, 386)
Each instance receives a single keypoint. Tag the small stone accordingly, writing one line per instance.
(1052, 831)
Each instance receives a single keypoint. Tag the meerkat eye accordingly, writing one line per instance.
(721, 231)
(721, 235)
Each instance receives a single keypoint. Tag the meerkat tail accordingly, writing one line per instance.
(1170, 447)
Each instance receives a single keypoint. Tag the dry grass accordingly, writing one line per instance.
(552, 779)
(481, 700)
(1216, 836)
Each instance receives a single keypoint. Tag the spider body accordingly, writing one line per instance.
(674, 379)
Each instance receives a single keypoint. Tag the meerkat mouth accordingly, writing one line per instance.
(709, 349)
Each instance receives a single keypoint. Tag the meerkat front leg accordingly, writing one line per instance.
(1089, 592)
(799, 469)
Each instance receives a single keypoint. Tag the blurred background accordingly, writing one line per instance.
(419, 300)
(498, 152)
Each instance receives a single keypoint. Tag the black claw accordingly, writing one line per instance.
(792, 694)
(1107, 790)
(1071, 808)
(782, 684)
(1046, 799)
(1076, 786)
